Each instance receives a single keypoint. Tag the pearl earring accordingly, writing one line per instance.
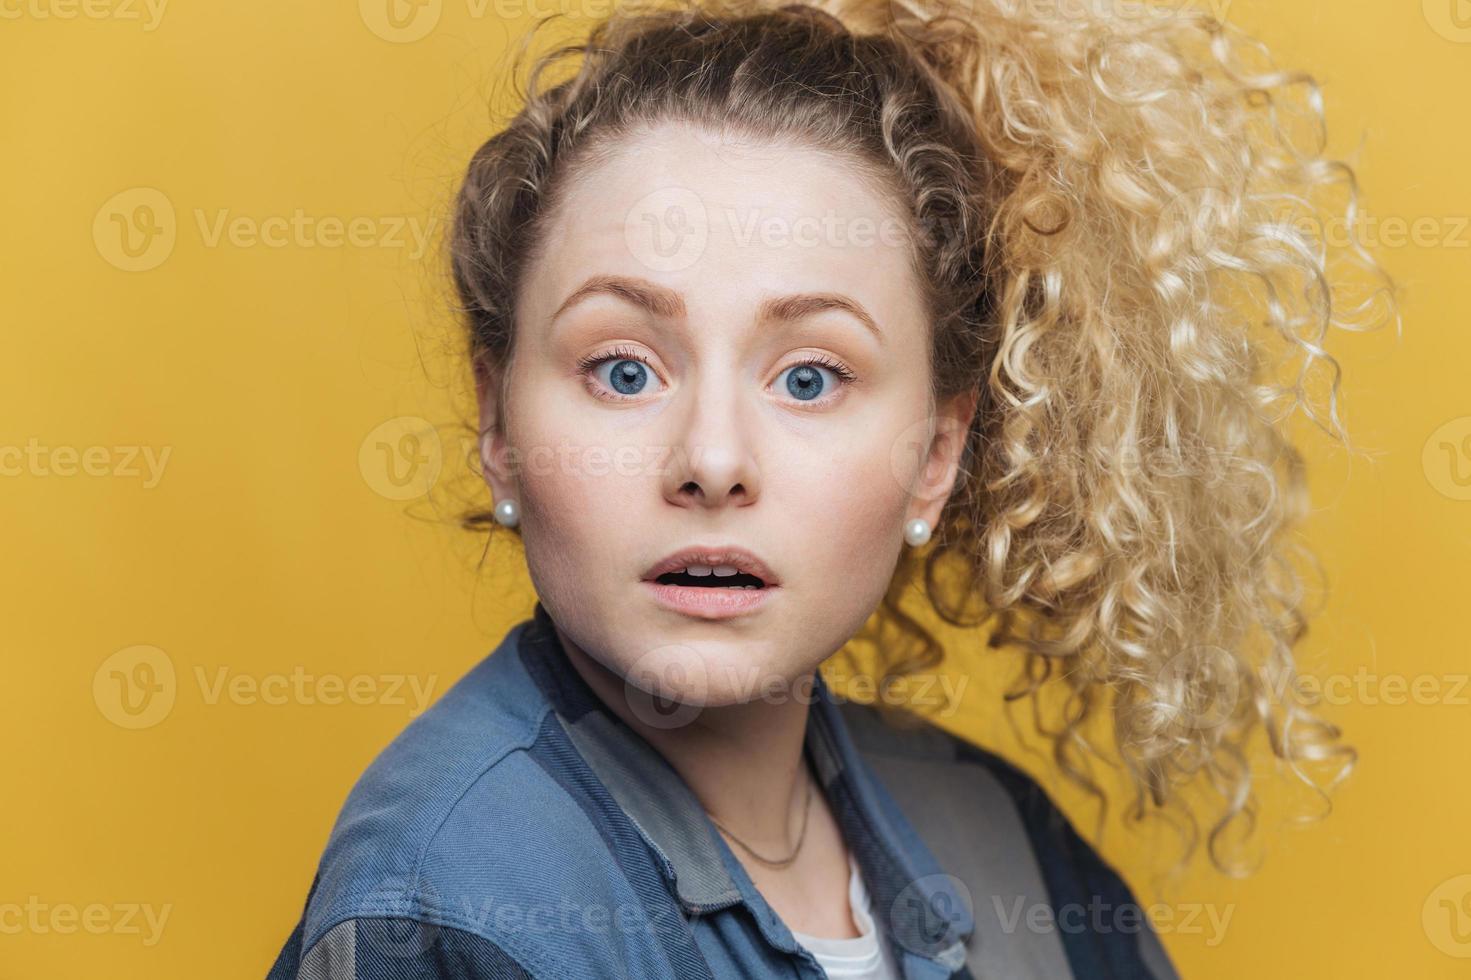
(507, 513)
(917, 531)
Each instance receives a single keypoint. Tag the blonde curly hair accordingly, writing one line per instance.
(1119, 241)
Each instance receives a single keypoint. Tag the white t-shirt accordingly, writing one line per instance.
(866, 957)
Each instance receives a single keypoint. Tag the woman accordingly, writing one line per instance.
(760, 301)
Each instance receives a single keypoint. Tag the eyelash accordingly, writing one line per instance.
(845, 376)
(586, 365)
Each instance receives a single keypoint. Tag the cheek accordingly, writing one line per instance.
(578, 497)
(848, 510)
(843, 534)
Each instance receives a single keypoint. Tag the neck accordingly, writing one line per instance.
(742, 761)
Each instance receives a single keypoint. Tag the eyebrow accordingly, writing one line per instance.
(664, 302)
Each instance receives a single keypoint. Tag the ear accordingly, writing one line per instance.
(942, 461)
(495, 465)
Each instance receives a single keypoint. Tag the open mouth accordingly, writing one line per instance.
(712, 582)
(706, 577)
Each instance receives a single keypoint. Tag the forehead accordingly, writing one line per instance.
(725, 222)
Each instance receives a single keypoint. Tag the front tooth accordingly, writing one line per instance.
(725, 570)
(699, 570)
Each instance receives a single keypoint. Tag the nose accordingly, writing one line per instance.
(711, 462)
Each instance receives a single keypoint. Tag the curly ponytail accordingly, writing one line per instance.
(1116, 234)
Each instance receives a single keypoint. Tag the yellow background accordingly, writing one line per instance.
(272, 543)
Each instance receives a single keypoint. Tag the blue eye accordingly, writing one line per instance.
(620, 373)
(805, 381)
(628, 377)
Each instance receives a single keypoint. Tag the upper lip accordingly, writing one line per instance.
(712, 555)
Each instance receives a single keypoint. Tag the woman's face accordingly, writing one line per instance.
(658, 401)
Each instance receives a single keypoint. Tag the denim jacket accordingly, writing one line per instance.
(519, 828)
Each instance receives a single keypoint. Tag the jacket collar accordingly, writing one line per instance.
(919, 904)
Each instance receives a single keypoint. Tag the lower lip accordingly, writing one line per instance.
(711, 603)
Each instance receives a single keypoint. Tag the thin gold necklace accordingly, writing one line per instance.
(773, 862)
